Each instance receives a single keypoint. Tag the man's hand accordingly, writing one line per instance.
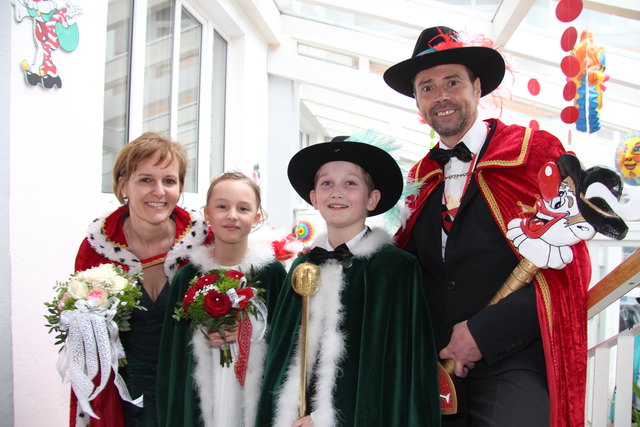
(462, 348)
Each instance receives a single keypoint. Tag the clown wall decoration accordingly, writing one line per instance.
(589, 83)
(52, 29)
(628, 159)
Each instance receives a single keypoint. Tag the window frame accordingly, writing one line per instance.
(135, 96)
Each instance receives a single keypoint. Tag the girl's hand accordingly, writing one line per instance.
(216, 339)
(304, 422)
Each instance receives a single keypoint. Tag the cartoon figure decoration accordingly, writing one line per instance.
(52, 29)
(628, 159)
(589, 83)
(563, 215)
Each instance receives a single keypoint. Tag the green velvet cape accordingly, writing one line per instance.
(386, 369)
(177, 399)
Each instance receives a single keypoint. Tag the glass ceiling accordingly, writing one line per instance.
(607, 19)
(528, 32)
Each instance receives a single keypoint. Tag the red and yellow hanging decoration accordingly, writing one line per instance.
(584, 68)
(589, 83)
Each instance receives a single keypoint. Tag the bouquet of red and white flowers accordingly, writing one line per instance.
(219, 300)
(87, 313)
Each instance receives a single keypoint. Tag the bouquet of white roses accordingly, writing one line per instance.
(87, 313)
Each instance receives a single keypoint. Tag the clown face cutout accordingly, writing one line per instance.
(628, 159)
(544, 235)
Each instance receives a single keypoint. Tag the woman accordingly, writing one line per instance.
(148, 234)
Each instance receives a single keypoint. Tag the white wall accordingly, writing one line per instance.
(6, 371)
(55, 158)
(53, 184)
(284, 118)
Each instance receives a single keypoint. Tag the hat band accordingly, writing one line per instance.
(424, 52)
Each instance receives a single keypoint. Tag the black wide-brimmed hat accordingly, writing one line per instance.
(441, 45)
(385, 172)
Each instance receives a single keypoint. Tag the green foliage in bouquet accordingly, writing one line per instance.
(100, 288)
(209, 301)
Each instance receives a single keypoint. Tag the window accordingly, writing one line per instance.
(116, 85)
(153, 69)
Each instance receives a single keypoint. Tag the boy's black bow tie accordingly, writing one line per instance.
(442, 156)
(319, 255)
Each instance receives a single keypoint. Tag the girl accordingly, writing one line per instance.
(194, 387)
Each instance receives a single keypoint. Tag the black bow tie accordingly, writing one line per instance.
(319, 255)
(442, 156)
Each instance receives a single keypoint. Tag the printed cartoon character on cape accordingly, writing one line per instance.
(563, 216)
(52, 29)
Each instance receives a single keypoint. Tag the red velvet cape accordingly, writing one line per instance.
(507, 179)
(107, 405)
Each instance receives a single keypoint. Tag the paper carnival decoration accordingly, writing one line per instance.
(628, 159)
(589, 83)
(304, 231)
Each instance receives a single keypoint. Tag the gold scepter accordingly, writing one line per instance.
(305, 283)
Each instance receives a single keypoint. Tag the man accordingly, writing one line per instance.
(521, 361)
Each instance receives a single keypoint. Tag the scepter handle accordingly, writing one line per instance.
(303, 356)
(304, 281)
(450, 399)
(522, 274)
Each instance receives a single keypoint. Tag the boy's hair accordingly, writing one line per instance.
(142, 148)
(239, 176)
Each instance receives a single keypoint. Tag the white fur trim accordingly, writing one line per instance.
(253, 381)
(106, 248)
(258, 256)
(218, 387)
(214, 382)
(372, 241)
(326, 345)
(326, 341)
(204, 375)
(179, 252)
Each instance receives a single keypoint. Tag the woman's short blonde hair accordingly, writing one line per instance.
(142, 148)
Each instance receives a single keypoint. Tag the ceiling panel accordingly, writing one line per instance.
(337, 50)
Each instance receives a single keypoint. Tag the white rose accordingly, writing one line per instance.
(118, 283)
(98, 276)
(104, 272)
(77, 289)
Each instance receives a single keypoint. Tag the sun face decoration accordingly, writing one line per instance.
(628, 159)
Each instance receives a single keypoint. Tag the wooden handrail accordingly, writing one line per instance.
(614, 285)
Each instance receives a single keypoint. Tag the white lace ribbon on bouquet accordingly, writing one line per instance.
(260, 326)
(92, 342)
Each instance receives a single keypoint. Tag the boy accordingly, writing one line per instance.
(371, 358)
